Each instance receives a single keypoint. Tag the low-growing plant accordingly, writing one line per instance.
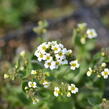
(54, 77)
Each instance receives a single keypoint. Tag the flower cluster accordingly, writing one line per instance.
(53, 54)
(102, 71)
(90, 32)
(70, 89)
(85, 32)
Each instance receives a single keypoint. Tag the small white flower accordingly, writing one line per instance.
(60, 55)
(61, 46)
(63, 62)
(105, 73)
(54, 42)
(91, 33)
(64, 50)
(33, 72)
(56, 91)
(48, 57)
(46, 84)
(32, 84)
(56, 49)
(69, 52)
(89, 72)
(103, 65)
(36, 53)
(40, 56)
(57, 63)
(51, 65)
(74, 64)
(43, 47)
(47, 64)
(73, 88)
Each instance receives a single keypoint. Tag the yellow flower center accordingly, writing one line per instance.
(105, 73)
(48, 57)
(91, 33)
(41, 55)
(49, 64)
(44, 47)
(60, 54)
(73, 64)
(73, 88)
(32, 84)
(57, 63)
(55, 49)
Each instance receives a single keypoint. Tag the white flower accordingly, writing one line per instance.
(69, 52)
(105, 73)
(32, 84)
(74, 64)
(89, 72)
(64, 50)
(43, 47)
(57, 63)
(33, 72)
(36, 53)
(56, 91)
(60, 55)
(64, 62)
(56, 49)
(48, 57)
(47, 64)
(51, 65)
(40, 56)
(103, 65)
(61, 45)
(73, 88)
(46, 84)
(54, 42)
(91, 33)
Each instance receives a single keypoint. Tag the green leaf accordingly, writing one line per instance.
(24, 84)
(94, 100)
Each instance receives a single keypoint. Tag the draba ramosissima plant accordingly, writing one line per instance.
(51, 56)
(39, 71)
(53, 72)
